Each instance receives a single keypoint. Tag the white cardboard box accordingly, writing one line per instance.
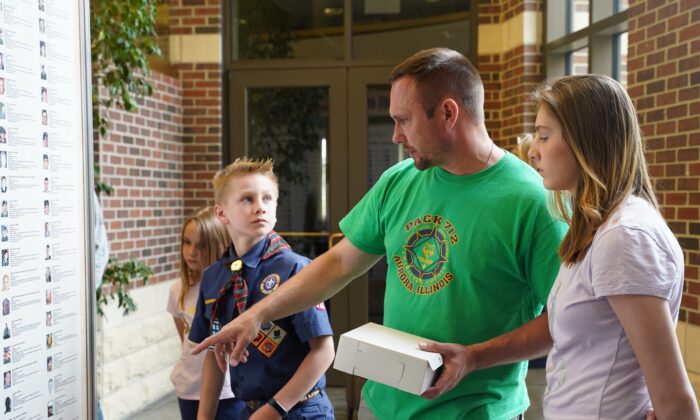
(388, 356)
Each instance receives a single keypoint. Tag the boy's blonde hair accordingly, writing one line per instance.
(241, 166)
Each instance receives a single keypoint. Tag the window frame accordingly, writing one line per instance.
(601, 36)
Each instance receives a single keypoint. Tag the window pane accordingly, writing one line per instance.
(579, 14)
(397, 29)
(621, 5)
(577, 62)
(621, 59)
(381, 155)
(287, 29)
(290, 125)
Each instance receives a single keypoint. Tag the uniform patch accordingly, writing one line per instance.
(422, 265)
(277, 335)
(269, 338)
(270, 283)
(215, 327)
(259, 338)
(268, 347)
(208, 301)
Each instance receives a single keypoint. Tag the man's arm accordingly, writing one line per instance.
(528, 341)
(311, 368)
(323, 278)
(210, 388)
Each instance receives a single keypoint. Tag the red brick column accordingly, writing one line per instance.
(664, 83)
(509, 76)
(202, 109)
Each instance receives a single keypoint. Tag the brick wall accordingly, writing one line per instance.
(510, 76)
(201, 82)
(141, 157)
(664, 83)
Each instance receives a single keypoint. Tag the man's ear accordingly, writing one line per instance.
(449, 112)
(219, 211)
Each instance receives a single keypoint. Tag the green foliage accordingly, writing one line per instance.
(122, 37)
(117, 276)
(100, 186)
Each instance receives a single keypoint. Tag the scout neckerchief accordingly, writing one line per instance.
(238, 284)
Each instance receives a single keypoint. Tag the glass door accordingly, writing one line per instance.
(371, 153)
(329, 132)
(298, 118)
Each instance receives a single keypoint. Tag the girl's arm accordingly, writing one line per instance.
(311, 368)
(648, 324)
(180, 326)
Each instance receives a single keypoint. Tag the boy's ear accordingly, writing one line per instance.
(219, 211)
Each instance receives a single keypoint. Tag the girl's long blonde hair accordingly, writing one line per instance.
(600, 126)
(213, 241)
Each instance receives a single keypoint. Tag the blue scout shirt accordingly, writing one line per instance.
(281, 345)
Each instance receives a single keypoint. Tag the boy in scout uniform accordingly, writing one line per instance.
(284, 372)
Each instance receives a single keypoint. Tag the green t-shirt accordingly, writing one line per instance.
(470, 258)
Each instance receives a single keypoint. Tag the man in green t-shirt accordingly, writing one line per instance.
(471, 248)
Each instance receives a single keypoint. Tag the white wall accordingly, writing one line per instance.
(136, 354)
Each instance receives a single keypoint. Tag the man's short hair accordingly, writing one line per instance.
(441, 73)
(241, 166)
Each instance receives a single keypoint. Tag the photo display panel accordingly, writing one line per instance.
(43, 229)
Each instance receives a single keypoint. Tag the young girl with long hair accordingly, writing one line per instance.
(204, 240)
(614, 305)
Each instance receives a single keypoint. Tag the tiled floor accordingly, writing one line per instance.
(166, 408)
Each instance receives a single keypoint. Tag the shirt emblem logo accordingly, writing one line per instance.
(270, 283)
(422, 264)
